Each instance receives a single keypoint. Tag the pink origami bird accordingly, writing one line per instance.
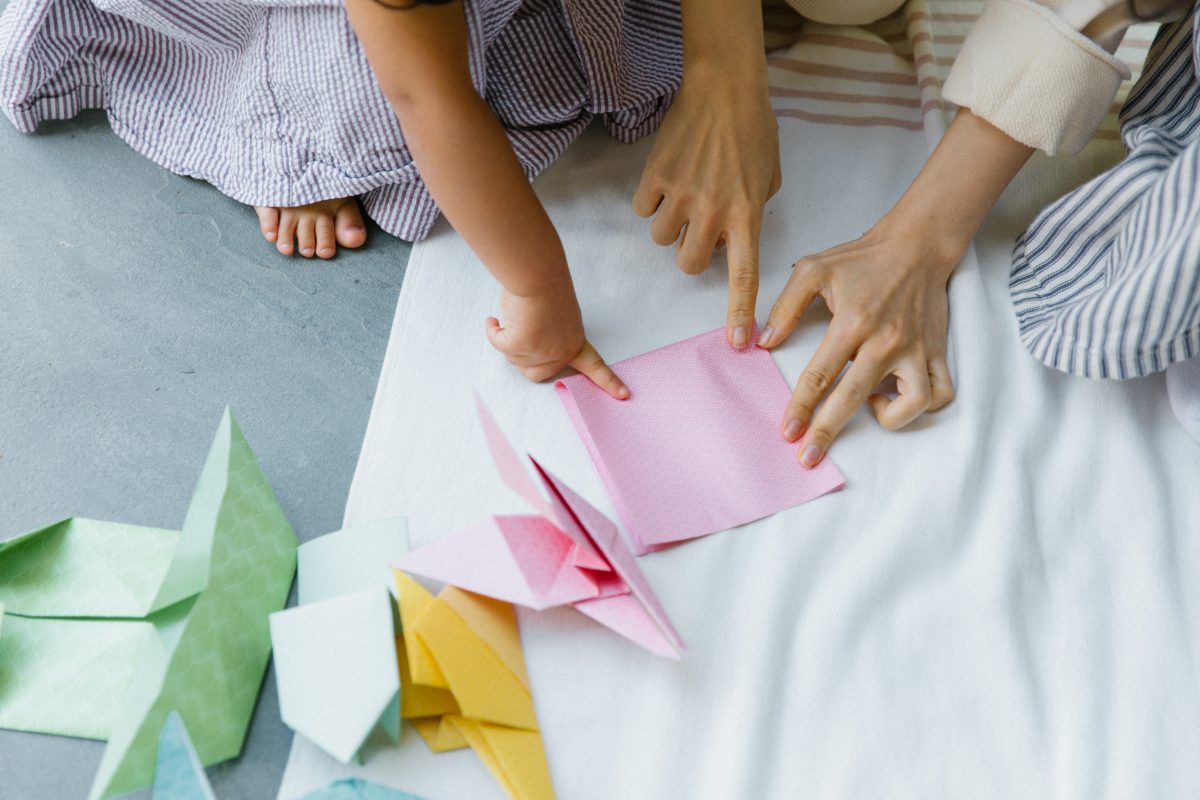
(567, 554)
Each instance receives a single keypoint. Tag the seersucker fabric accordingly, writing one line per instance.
(273, 103)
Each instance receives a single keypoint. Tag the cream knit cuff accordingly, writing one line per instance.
(1033, 76)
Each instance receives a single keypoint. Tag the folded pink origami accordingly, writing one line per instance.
(697, 448)
(567, 554)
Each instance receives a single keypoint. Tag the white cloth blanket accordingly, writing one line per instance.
(1003, 602)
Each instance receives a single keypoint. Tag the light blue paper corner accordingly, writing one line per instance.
(358, 789)
(178, 773)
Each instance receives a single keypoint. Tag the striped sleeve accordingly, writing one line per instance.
(1106, 281)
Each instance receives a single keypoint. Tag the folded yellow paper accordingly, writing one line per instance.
(463, 683)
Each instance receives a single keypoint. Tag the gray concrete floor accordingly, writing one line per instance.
(134, 306)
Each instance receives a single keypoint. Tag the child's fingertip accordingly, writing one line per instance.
(622, 392)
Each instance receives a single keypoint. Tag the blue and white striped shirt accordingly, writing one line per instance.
(1106, 281)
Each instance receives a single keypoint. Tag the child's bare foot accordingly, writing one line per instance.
(315, 229)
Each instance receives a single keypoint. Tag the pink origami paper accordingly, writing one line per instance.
(697, 448)
(567, 554)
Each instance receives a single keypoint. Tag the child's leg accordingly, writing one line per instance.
(315, 229)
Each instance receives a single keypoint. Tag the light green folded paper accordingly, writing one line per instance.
(183, 630)
(67, 676)
(86, 568)
(78, 594)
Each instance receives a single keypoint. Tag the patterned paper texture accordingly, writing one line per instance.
(85, 567)
(697, 448)
(212, 662)
(570, 554)
(111, 627)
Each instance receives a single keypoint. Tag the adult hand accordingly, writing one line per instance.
(713, 167)
(887, 292)
(543, 335)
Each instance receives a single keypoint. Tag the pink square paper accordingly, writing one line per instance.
(697, 448)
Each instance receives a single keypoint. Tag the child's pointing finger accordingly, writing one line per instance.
(589, 364)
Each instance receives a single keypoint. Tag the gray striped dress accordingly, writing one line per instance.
(273, 103)
(1106, 281)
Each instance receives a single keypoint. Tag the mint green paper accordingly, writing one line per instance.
(178, 773)
(336, 669)
(350, 559)
(335, 653)
(85, 568)
(238, 547)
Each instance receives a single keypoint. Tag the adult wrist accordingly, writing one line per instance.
(941, 244)
(734, 75)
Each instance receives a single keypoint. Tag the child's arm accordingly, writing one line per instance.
(419, 57)
(887, 290)
(715, 161)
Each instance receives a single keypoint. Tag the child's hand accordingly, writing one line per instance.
(542, 335)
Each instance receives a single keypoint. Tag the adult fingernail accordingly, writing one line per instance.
(741, 337)
(765, 336)
(811, 456)
(792, 430)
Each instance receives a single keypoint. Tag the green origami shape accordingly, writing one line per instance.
(110, 627)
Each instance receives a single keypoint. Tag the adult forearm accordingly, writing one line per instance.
(959, 184)
(723, 39)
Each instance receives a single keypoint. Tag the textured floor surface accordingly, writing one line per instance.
(134, 306)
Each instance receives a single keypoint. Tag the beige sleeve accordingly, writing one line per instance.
(1027, 71)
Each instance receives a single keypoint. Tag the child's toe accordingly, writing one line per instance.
(268, 222)
(326, 236)
(351, 232)
(285, 243)
(306, 236)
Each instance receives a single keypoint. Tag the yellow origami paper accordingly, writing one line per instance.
(463, 684)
